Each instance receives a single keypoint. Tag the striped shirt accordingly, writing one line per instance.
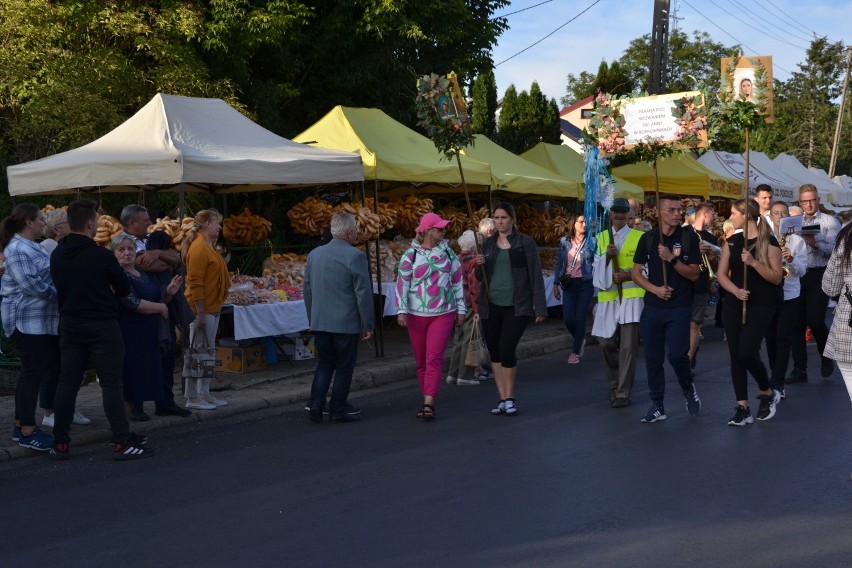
(29, 296)
(829, 226)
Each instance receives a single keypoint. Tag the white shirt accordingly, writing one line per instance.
(608, 315)
(799, 251)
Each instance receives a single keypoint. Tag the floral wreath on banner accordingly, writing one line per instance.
(607, 133)
(450, 132)
(740, 112)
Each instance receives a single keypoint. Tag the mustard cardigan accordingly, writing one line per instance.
(206, 276)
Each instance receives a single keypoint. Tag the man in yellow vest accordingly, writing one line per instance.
(620, 303)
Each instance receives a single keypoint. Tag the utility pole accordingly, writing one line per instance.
(839, 117)
(659, 48)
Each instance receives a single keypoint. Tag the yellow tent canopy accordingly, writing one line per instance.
(568, 163)
(513, 174)
(392, 152)
(682, 175)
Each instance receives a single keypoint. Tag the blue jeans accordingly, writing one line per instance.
(575, 308)
(337, 354)
(666, 329)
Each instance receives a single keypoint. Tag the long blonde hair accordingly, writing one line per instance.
(203, 216)
(760, 250)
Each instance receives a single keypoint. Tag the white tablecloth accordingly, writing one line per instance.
(264, 320)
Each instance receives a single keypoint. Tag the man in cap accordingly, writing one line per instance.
(620, 303)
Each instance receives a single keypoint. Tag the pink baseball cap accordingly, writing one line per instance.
(430, 220)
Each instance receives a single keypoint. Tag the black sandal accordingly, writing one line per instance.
(427, 412)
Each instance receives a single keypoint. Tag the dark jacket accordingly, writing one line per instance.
(526, 275)
(88, 279)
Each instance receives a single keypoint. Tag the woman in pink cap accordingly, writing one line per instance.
(430, 300)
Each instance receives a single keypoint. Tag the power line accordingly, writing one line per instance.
(795, 21)
(796, 26)
(763, 20)
(724, 31)
(522, 10)
(589, 7)
(755, 28)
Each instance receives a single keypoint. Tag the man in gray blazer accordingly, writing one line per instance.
(339, 302)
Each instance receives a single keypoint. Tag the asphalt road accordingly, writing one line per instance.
(567, 482)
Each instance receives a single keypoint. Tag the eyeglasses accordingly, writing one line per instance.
(808, 201)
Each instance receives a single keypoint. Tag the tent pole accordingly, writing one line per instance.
(485, 285)
(380, 332)
(181, 201)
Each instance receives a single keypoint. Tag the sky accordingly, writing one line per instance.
(780, 28)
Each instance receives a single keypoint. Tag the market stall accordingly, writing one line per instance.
(681, 175)
(185, 143)
(760, 172)
(568, 163)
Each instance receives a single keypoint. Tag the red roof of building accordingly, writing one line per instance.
(575, 106)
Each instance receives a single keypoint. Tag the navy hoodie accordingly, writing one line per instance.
(88, 279)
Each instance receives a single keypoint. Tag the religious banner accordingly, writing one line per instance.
(621, 124)
(749, 78)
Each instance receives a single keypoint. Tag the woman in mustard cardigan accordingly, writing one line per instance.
(207, 284)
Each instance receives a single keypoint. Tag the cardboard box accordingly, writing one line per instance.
(240, 359)
(299, 346)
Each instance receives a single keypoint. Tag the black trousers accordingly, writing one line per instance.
(101, 341)
(39, 365)
(744, 344)
(503, 331)
(815, 305)
(783, 331)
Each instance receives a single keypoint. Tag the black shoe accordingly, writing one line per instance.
(621, 403)
(345, 417)
(131, 450)
(139, 416)
(173, 411)
(827, 367)
(60, 452)
(315, 415)
(797, 376)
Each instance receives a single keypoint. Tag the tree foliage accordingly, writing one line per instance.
(485, 104)
(527, 119)
(71, 71)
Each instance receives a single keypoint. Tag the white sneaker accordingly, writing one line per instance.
(510, 407)
(201, 405)
(450, 380)
(81, 419)
(217, 401)
(48, 421)
(466, 382)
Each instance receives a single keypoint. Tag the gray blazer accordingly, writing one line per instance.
(338, 291)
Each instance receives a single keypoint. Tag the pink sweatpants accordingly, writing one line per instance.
(429, 337)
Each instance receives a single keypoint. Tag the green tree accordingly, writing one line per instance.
(507, 123)
(693, 64)
(805, 109)
(485, 105)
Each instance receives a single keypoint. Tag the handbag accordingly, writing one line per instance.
(199, 361)
(565, 279)
(475, 355)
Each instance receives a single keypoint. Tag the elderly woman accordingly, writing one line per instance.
(514, 298)
(140, 328)
(207, 284)
(459, 373)
(30, 317)
(55, 227)
(431, 298)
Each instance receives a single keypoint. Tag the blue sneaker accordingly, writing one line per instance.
(38, 441)
(16, 434)
(655, 414)
(693, 403)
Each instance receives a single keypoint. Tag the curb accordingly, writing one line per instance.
(372, 374)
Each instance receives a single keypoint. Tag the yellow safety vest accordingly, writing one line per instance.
(625, 260)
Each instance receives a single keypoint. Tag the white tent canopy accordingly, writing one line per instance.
(733, 166)
(197, 143)
(829, 192)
